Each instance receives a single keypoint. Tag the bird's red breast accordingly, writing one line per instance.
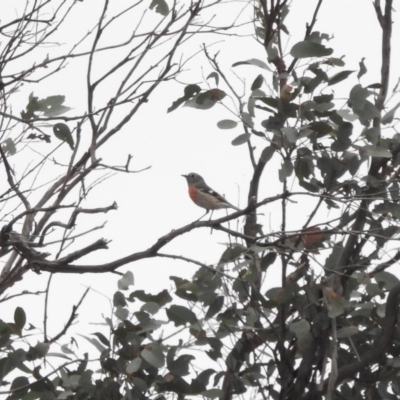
(193, 193)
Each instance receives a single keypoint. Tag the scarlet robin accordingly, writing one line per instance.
(203, 196)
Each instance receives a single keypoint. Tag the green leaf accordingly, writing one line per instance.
(232, 253)
(189, 92)
(121, 313)
(363, 69)
(267, 154)
(62, 132)
(347, 331)
(317, 37)
(212, 393)
(17, 383)
(125, 281)
(337, 306)
(52, 106)
(215, 76)
(307, 49)
(206, 100)
(119, 299)
(181, 315)
(333, 259)
(154, 355)
(160, 7)
(358, 96)
(373, 134)
(377, 151)
(388, 117)
(102, 338)
(180, 366)
(386, 279)
(215, 307)
(291, 134)
(268, 260)
(19, 318)
(334, 62)
(227, 124)
(341, 76)
(150, 307)
(241, 139)
(161, 298)
(255, 62)
(286, 170)
(257, 82)
(134, 365)
(9, 147)
(94, 342)
(302, 330)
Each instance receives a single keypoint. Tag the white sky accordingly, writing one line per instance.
(154, 202)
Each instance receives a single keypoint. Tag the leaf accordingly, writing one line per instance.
(268, 260)
(347, 331)
(267, 154)
(52, 106)
(215, 307)
(161, 298)
(257, 82)
(119, 299)
(125, 281)
(255, 62)
(121, 313)
(306, 49)
(388, 117)
(215, 76)
(62, 132)
(232, 253)
(341, 76)
(205, 100)
(291, 134)
(134, 365)
(19, 318)
(333, 259)
(363, 69)
(286, 170)
(227, 124)
(94, 342)
(160, 7)
(247, 120)
(180, 366)
(17, 383)
(377, 151)
(180, 315)
(334, 62)
(153, 354)
(212, 393)
(9, 147)
(386, 279)
(102, 338)
(241, 139)
(189, 92)
(301, 329)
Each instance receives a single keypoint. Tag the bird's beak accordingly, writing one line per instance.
(185, 176)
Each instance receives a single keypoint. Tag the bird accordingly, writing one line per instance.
(205, 197)
(62, 132)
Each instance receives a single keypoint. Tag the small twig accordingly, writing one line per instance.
(71, 319)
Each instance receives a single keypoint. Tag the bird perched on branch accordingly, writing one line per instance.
(62, 132)
(203, 196)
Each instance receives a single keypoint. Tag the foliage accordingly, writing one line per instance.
(329, 329)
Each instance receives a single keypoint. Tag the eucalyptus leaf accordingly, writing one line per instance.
(307, 49)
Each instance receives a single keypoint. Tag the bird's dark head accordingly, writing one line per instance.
(193, 178)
